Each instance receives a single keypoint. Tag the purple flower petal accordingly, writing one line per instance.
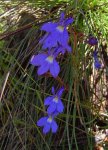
(97, 64)
(60, 50)
(65, 37)
(62, 17)
(48, 27)
(37, 60)
(46, 128)
(54, 127)
(95, 54)
(53, 90)
(43, 68)
(68, 48)
(63, 48)
(68, 21)
(42, 121)
(54, 69)
(60, 91)
(43, 38)
(48, 100)
(92, 41)
(55, 113)
(50, 41)
(51, 108)
(60, 106)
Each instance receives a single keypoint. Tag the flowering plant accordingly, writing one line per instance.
(55, 42)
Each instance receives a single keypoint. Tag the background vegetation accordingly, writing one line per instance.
(22, 91)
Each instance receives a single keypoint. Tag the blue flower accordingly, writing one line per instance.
(48, 123)
(46, 62)
(97, 64)
(56, 32)
(54, 102)
(92, 40)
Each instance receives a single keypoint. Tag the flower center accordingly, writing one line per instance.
(55, 99)
(49, 119)
(50, 59)
(60, 28)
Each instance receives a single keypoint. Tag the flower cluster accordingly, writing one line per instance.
(55, 107)
(94, 42)
(55, 41)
